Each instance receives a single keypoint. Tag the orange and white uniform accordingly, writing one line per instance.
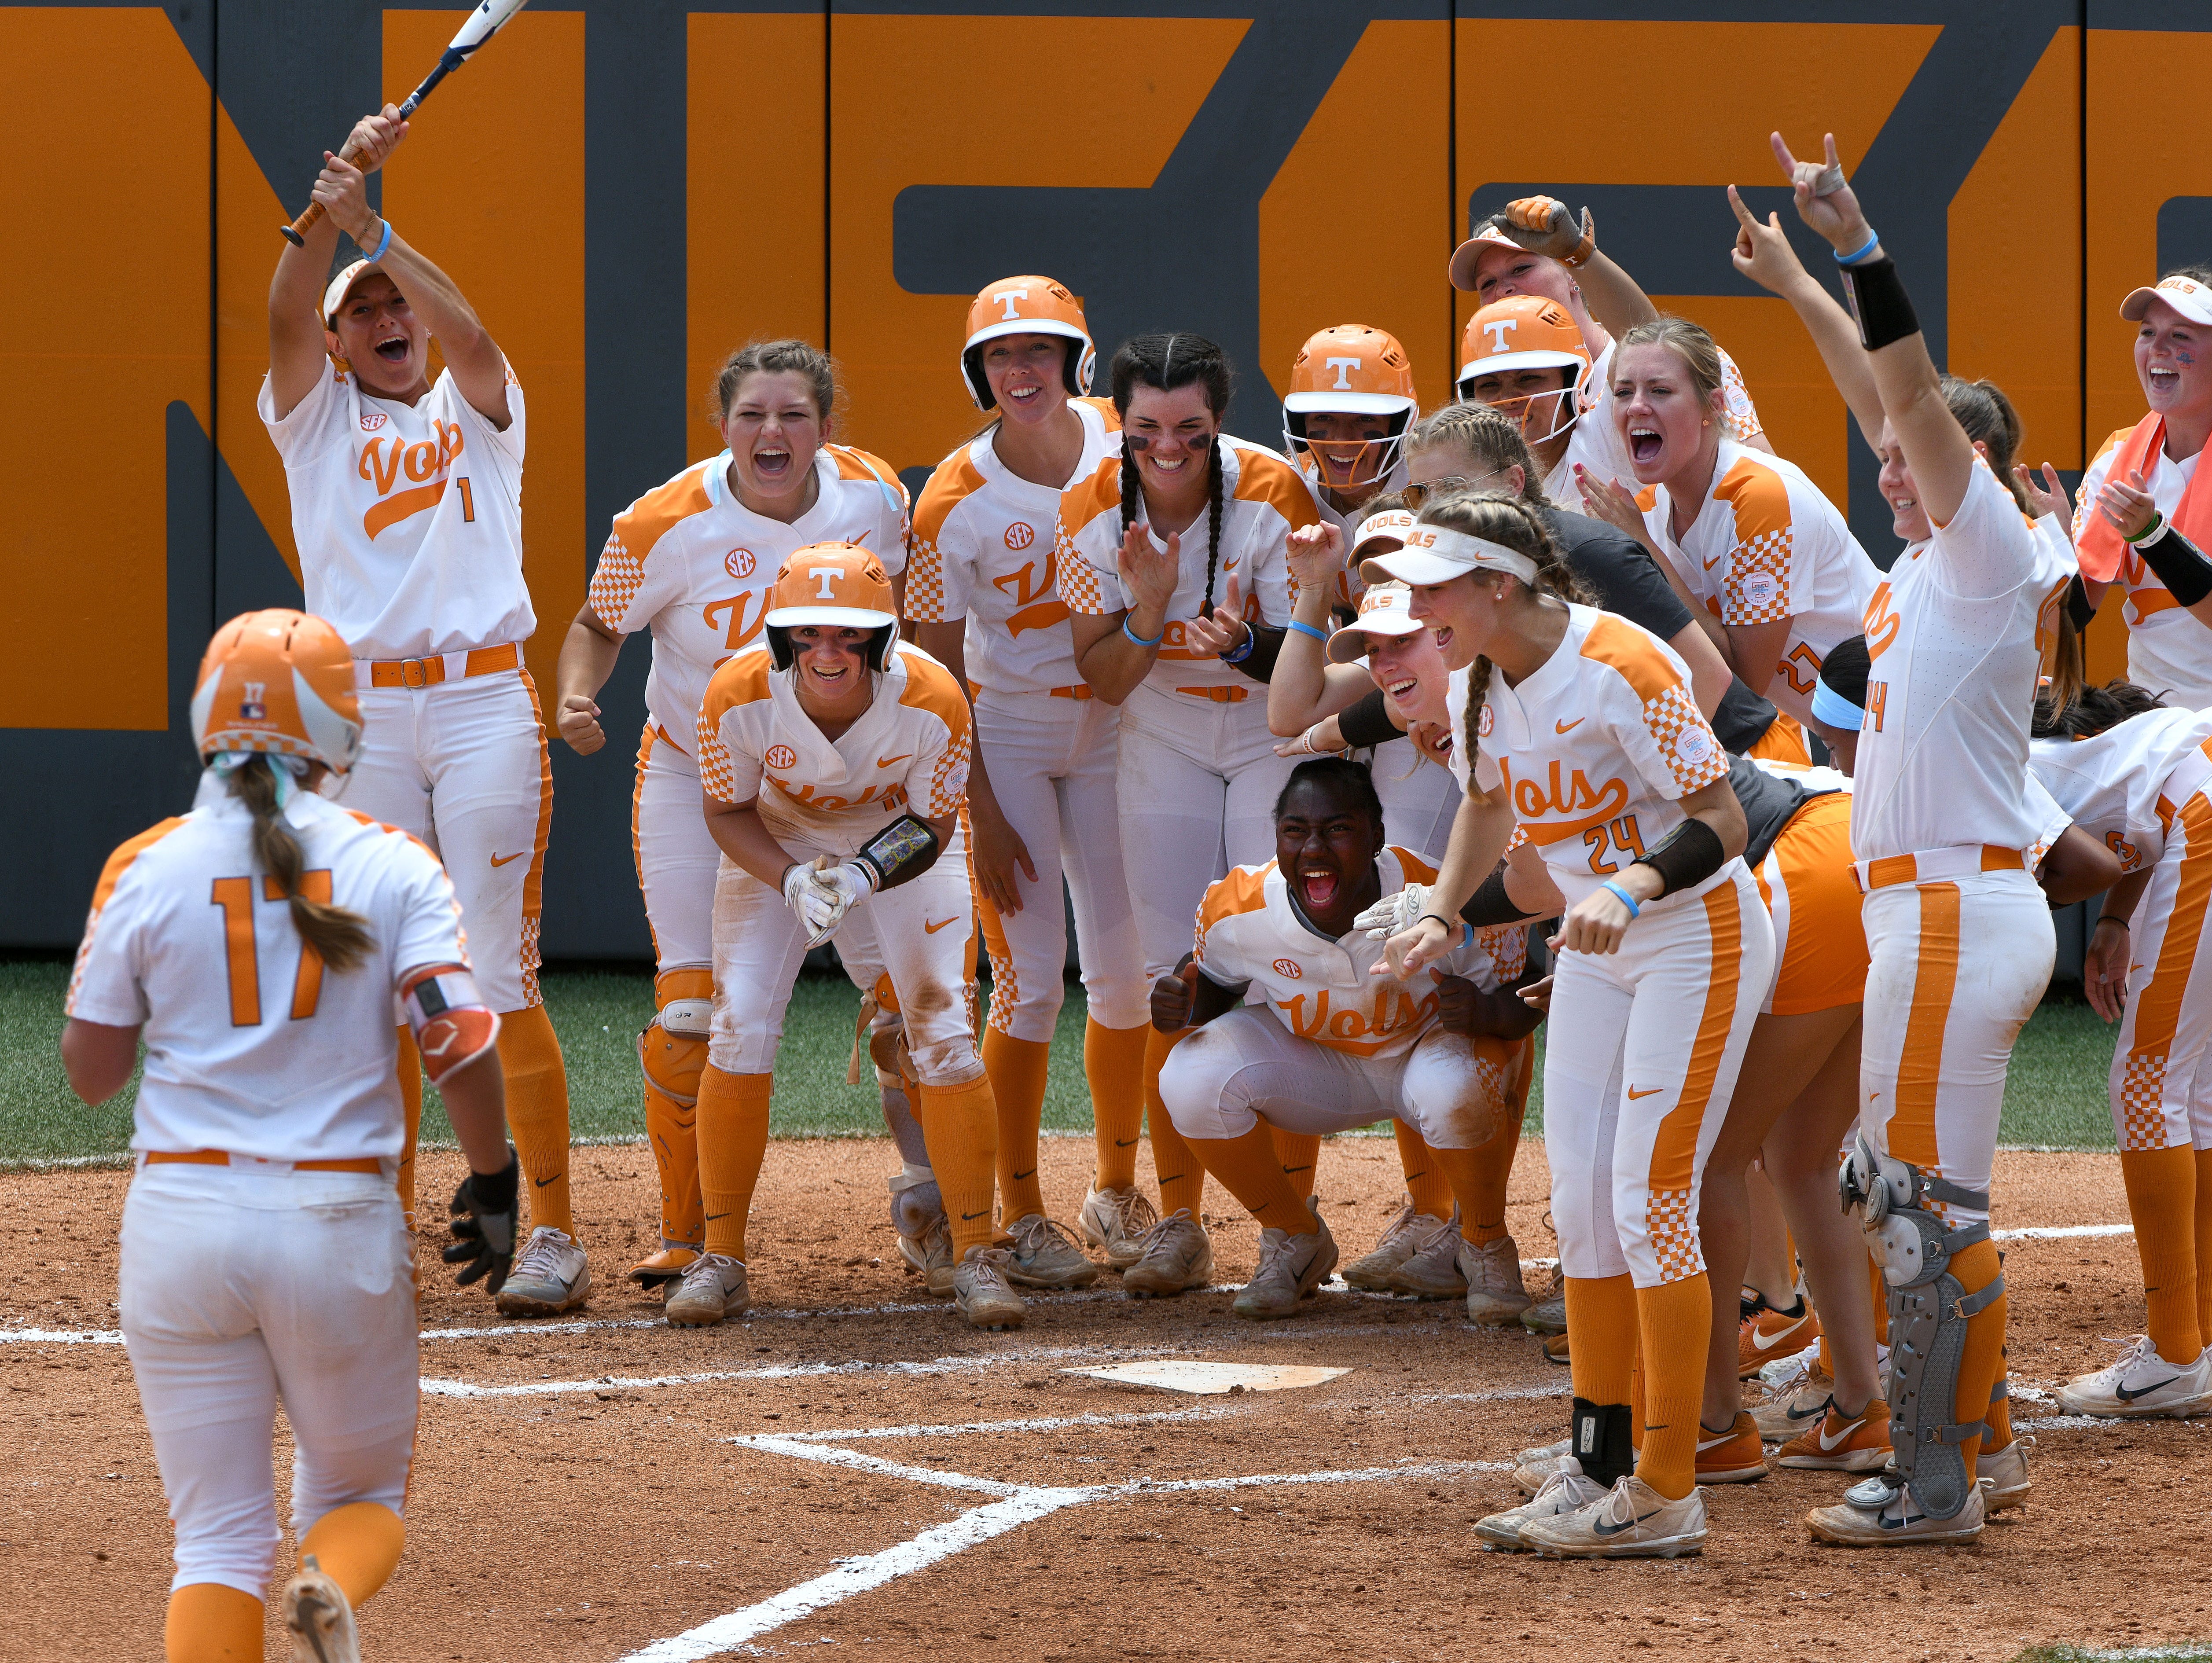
(1765, 545)
(1596, 444)
(1804, 876)
(1593, 751)
(983, 549)
(909, 754)
(1198, 774)
(408, 522)
(2169, 652)
(692, 564)
(1941, 813)
(272, 1257)
(1322, 1045)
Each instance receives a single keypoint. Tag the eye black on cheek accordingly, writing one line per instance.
(1137, 441)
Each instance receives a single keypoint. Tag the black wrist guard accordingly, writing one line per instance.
(483, 1226)
(1364, 724)
(1689, 854)
(2178, 564)
(1879, 303)
(1263, 646)
(1490, 905)
(904, 849)
(2077, 604)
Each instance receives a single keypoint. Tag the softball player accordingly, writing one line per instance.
(1330, 1046)
(1166, 635)
(834, 760)
(693, 560)
(259, 943)
(1344, 417)
(1582, 728)
(984, 602)
(407, 507)
(2140, 513)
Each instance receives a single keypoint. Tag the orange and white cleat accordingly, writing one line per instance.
(658, 1270)
(1768, 1334)
(1734, 1457)
(1838, 1442)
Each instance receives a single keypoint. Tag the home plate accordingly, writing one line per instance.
(1212, 1379)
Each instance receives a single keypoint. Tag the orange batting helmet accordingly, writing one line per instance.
(282, 681)
(1524, 331)
(1352, 368)
(1026, 306)
(839, 585)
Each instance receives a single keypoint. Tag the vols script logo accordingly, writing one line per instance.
(739, 562)
(1288, 969)
(372, 420)
(1020, 535)
(781, 756)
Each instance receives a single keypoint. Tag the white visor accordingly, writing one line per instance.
(1436, 553)
(341, 285)
(1389, 526)
(1385, 610)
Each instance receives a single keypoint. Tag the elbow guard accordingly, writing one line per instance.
(2177, 563)
(905, 849)
(451, 1025)
(1491, 905)
(1689, 854)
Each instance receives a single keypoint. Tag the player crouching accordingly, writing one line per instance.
(1338, 1043)
(834, 758)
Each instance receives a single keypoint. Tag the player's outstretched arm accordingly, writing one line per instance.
(1544, 225)
(298, 353)
(1763, 254)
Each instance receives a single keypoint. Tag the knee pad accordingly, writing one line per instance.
(916, 1202)
(672, 1048)
(882, 1030)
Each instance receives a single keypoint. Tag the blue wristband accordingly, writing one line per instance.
(1872, 242)
(1140, 639)
(383, 244)
(1627, 899)
(1238, 654)
(1321, 635)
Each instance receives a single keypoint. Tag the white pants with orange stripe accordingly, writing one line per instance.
(676, 857)
(1940, 1020)
(463, 766)
(2162, 1089)
(921, 934)
(1197, 786)
(1052, 763)
(1245, 1066)
(1420, 799)
(1641, 1052)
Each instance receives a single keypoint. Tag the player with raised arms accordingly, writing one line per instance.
(1169, 554)
(1665, 954)
(984, 602)
(258, 944)
(692, 561)
(407, 508)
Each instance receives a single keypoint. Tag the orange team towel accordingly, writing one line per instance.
(2142, 452)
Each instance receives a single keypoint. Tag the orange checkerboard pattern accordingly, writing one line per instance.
(615, 583)
(1076, 582)
(1685, 739)
(2143, 1090)
(1758, 587)
(717, 767)
(1673, 1232)
(948, 781)
(925, 582)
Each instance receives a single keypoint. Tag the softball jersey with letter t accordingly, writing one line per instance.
(1766, 545)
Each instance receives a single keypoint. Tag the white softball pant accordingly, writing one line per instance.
(1419, 799)
(676, 857)
(1246, 1067)
(463, 766)
(921, 934)
(1197, 786)
(2161, 1091)
(1641, 1052)
(1052, 763)
(240, 1288)
(1940, 1022)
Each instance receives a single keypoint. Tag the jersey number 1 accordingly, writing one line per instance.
(235, 896)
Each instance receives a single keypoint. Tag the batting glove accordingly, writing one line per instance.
(1544, 225)
(483, 1226)
(1393, 914)
(832, 893)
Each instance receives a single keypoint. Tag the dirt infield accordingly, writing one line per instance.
(853, 1467)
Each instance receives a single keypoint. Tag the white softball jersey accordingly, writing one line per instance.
(1956, 633)
(253, 1046)
(1766, 545)
(2169, 652)
(692, 563)
(984, 550)
(2122, 786)
(1595, 442)
(408, 517)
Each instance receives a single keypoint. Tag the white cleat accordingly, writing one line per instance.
(1561, 1491)
(1117, 1221)
(550, 1276)
(1177, 1256)
(2004, 1475)
(1045, 1255)
(2142, 1385)
(1630, 1522)
(1897, 1523)
(1291, 1268)
(982, 1290)
(319, 1619)
(1403, 1239)
(714, 1287)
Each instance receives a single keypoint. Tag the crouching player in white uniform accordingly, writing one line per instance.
(1334, 1044)
(834, 759)
(258, 943)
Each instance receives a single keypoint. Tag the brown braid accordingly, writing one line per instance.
(1212, 520)
(338, 937)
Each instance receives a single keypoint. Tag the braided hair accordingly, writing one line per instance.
(1509, 521)
(339, 935)
(1165, 362)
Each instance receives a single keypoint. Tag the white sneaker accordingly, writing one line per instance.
(1495, 1293)
(550, 1276)
(1898, 1522)
(929, 1255)
(1175, 1255)
(2141, 1385)
(1117, 1221)
(2005, 1472)
(714, 1287)
(1630, 1522)
(982, 1288)
(320, 1620)
(1564, 1492)
(1045, 1255)
(1792, 1413)
(1291, 1268)
(1403, 1239)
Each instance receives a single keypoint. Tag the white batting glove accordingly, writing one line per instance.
(1393, 914)
(832, 893)
(812, 904)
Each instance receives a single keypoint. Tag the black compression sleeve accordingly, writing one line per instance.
(1366, 723)
(2179, 565)
(1267, 647)
(2077, 604)
(1879, 303)
(1689, 854)
(1490, 904)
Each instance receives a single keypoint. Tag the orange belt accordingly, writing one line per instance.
(1936, 865)
(1081, 691)
(439, 666)
(1220, 695)
(215, 1157)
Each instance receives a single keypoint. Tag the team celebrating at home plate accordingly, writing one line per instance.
(1564, 716)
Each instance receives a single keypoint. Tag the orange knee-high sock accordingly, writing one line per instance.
(212, 1623)
(1299, 1153)
(1482, 1201)
(733, 1132)
(1426, 1181)
(2162, 1202)
(1250, 1168)
(1676, 1319)
(1113, 1066)
(1601, 1333)
(1999, 1419)
(1465, 1173)
(2205, 1244)
(960, 1124)
(410, 1107)
(358, 1545)
(1017, 1072)
(537, 1112)
(1182, 1178)
(1982, 1364)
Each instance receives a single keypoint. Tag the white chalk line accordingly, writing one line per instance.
(1033, 1423)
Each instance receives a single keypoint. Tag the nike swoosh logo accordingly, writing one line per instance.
(1648, 1091)
(1828, 1444)
(541, 1182)
(1704, 1444)
(885, 761)
(1714, 562)
(1605, 1529)
(1018, 1176)
(971, 1217)
(1287, 1171)
(1760, 1343)
(1125, 1142)
(2126, 1396)
(502, 859)
(929, 929)
(1563, 727)
(713, 1215)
